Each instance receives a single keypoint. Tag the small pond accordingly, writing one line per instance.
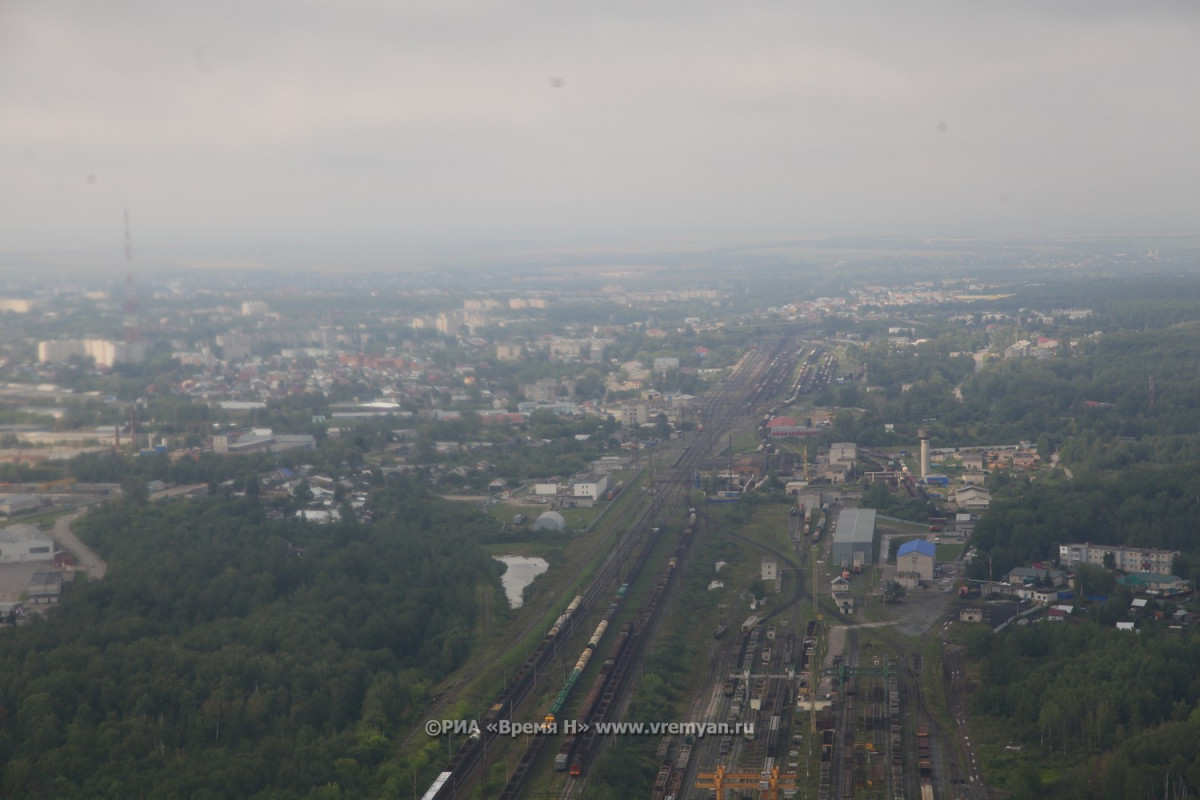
(520, 573)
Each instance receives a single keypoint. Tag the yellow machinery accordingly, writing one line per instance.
(769, 784)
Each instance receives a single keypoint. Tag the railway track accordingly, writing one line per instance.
(760, 368)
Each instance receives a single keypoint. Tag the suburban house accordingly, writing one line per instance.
(1029, 576)
(1154, 583)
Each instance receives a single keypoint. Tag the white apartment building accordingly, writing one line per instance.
(1126, 559)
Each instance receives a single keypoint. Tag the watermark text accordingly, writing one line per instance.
(572, 727)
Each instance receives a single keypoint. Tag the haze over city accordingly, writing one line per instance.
(227, 130)
(599, 401)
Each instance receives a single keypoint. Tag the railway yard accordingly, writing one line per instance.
(796, 700)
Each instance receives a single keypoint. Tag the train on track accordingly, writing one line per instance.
(516, 689)
(564, 693)
(566, 754)
(579, 750)
(719, 409)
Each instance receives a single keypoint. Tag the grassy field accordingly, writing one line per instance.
(950, 551)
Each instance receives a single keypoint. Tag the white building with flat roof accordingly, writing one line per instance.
(591, 486)
(24, 543)
(770, 569)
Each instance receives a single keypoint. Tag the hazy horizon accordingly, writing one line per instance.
(384, 131)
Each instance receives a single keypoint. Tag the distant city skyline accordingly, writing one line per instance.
(385, 129)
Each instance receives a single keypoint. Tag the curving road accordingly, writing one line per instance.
(84, 556)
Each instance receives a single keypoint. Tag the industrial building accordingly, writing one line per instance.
(854, 539)
(844, 454)
(972, 498)
(46, 587)
(770, 569)
(590, 487)
(262, 440)
(13, 504)
(914, 562)
(25, 543)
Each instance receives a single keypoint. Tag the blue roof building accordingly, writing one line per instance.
(917, 546)
(914, 562)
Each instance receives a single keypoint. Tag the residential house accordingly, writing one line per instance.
(1154, 583)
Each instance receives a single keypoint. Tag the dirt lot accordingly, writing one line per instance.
(14, 578)
(922, 609)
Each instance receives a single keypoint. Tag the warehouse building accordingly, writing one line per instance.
(13, 504)
(24, 543)
(854, 539)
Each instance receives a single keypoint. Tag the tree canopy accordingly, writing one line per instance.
(225, 655)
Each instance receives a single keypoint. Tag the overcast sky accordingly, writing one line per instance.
(400, 121)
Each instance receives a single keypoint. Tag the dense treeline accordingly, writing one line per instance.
(1124, 383)
(215, 660)
(1145, 505)
(1117, 706)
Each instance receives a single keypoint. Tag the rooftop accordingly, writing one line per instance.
(856, 525)
(918, 546)
(21, 533)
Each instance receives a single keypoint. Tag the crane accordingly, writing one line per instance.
(769, 783)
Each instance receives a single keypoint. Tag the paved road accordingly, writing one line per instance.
(180, 491)
(84, 556)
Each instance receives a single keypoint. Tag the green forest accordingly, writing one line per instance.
(1104, 713)
(1095, 712)
(225, 655)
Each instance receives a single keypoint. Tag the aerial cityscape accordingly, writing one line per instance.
(449, 403)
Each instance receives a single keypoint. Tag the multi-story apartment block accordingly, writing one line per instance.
(1126, 559)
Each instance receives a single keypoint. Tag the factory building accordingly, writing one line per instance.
(24, 543)
(854, 539)
(13, 504)
(262, 440)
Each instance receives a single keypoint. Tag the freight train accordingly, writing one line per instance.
(582, 751)
(565, 692)
(570, 745)
(925, 764)
(444, 785)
